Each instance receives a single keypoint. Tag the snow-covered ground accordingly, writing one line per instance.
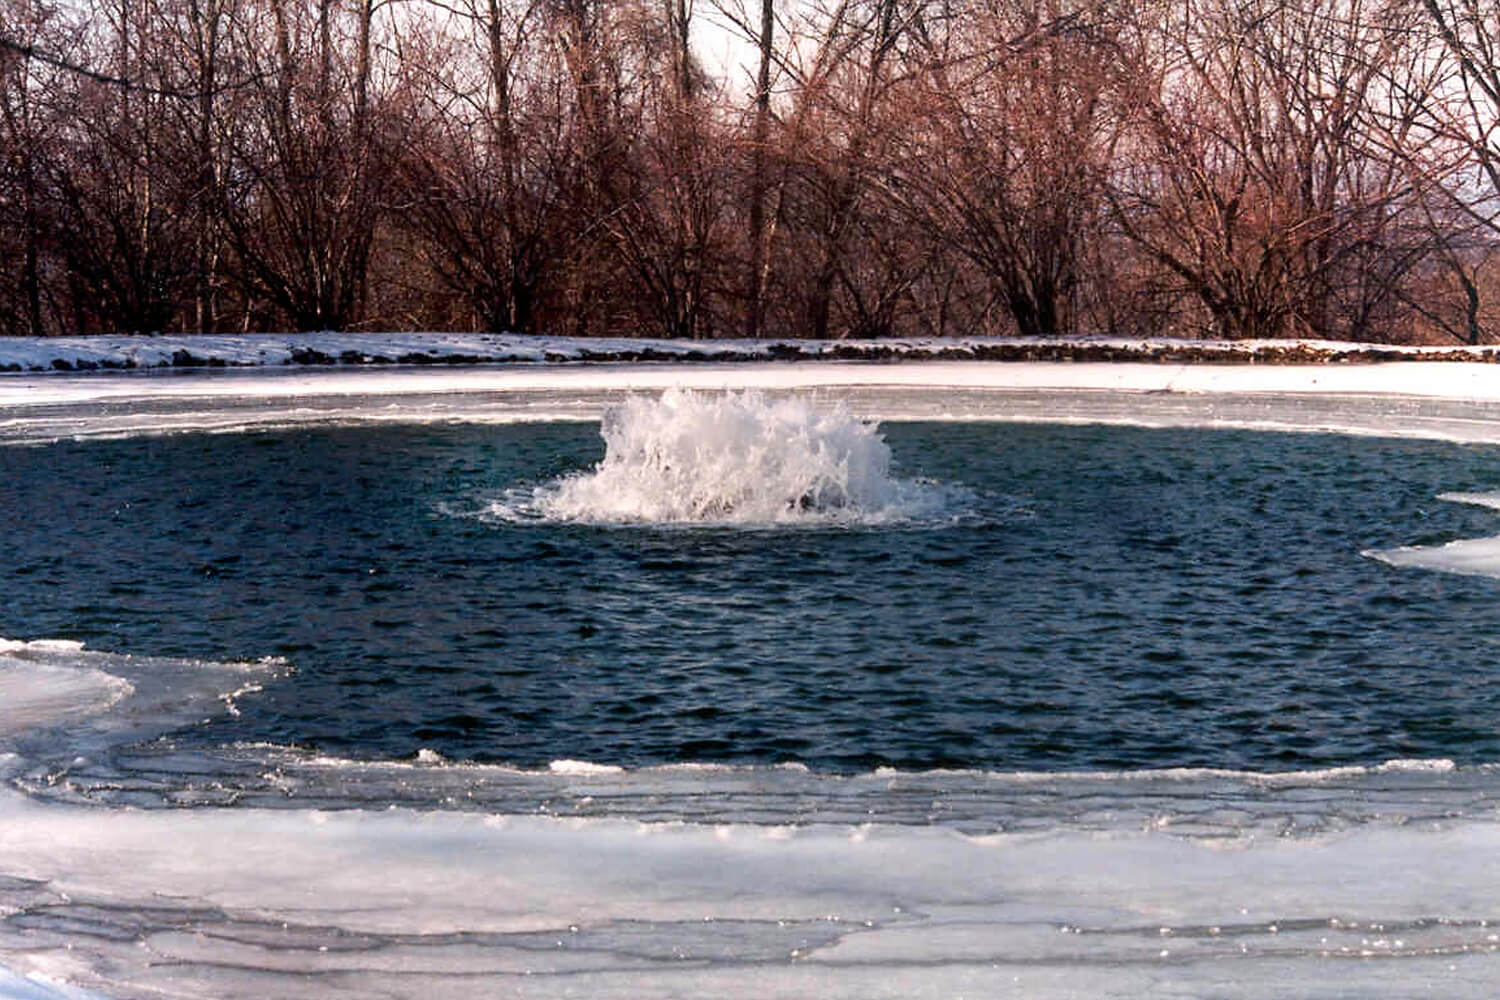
(183, 351)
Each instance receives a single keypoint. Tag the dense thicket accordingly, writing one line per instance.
(870, 168)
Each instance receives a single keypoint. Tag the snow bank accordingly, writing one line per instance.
(192, 351)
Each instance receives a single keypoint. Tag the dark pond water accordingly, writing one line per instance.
(1106, 598)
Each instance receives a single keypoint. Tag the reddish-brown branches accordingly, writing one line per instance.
(868, 168)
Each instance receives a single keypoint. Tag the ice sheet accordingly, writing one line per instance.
(1119, 885)
(41, 685)
(227, 904)
(1448, 401)
(1414, 378)
(1110, 885)
(63, 707)
(1467, 556)
(14, 987)
(34, 696)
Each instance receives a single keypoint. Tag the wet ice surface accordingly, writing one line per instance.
(37, 694)
(294, 875)
(1466, 556)
(1458, 402)
(236, 903)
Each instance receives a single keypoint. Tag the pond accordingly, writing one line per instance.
(888, 705)
(1060, 598)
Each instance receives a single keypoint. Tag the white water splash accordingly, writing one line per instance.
(734, 458)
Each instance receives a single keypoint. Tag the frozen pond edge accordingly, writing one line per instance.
(251, 902)
(1452, 401)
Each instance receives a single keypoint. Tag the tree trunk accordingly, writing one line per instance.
(759, 245)
(32, 278)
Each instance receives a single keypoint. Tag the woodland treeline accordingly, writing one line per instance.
(860, 168)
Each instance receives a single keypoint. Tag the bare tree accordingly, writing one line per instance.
(488, 181)
(307, 161)
(1251, 178)
(1006, 166)
(1459, 102)
(667, 227)
(844, 255)
(120, 232)
(26, 127)
(1248, 168)
(1467, 109)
